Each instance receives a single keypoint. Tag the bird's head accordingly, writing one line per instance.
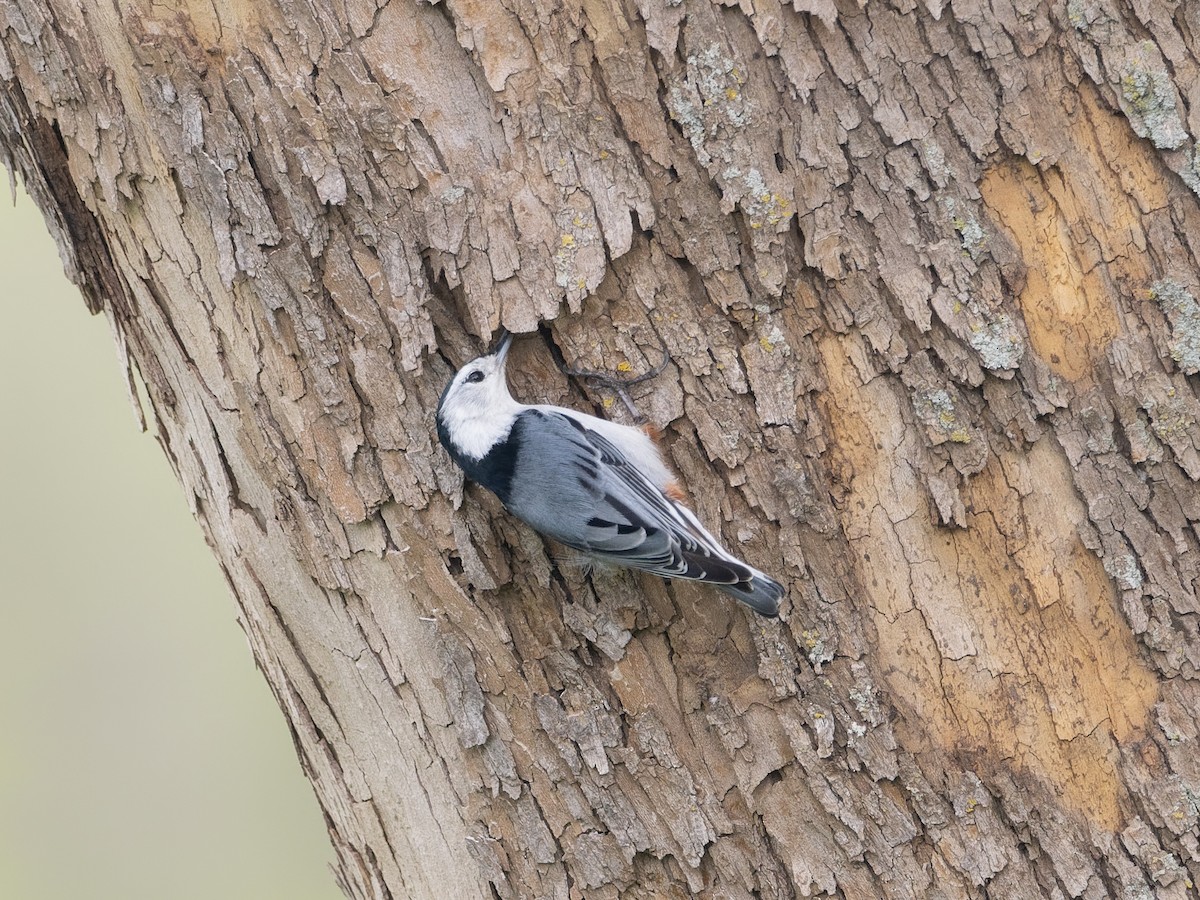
(476, 410)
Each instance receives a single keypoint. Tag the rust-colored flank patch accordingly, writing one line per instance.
(675, 492)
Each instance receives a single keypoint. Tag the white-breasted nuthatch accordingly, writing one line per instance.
(599, 487)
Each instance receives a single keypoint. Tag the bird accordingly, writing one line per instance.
(598, 487)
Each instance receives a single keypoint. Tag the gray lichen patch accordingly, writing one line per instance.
(993, 335)
(935, 407)
(974, 238)
(816, 648)
(1148, 98)
(1125, 570)
(1183, 312)
(998, 343)
(1171, 420)
(971, 234)
(1091, 18)
(935, 161)
(761, 204)
(711, 106)
(1173, 415)
(1190, 173)
(1079, 15)
(709, 101)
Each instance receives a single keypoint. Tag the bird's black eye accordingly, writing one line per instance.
(475, 377)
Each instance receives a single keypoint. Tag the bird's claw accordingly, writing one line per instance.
(621, 386)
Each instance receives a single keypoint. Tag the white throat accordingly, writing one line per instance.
(477, 423)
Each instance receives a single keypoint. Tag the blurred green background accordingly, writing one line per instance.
(141, 753)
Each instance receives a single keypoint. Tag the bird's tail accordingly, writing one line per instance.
(761, 593)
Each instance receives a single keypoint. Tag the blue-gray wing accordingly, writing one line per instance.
(576, 486)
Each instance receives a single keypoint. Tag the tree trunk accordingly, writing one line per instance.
(928, 279)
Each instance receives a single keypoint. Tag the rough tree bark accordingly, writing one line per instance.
(928, 277)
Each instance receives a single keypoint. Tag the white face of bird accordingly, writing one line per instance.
(476, 409)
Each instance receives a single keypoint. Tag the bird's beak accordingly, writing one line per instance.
(501, 350)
